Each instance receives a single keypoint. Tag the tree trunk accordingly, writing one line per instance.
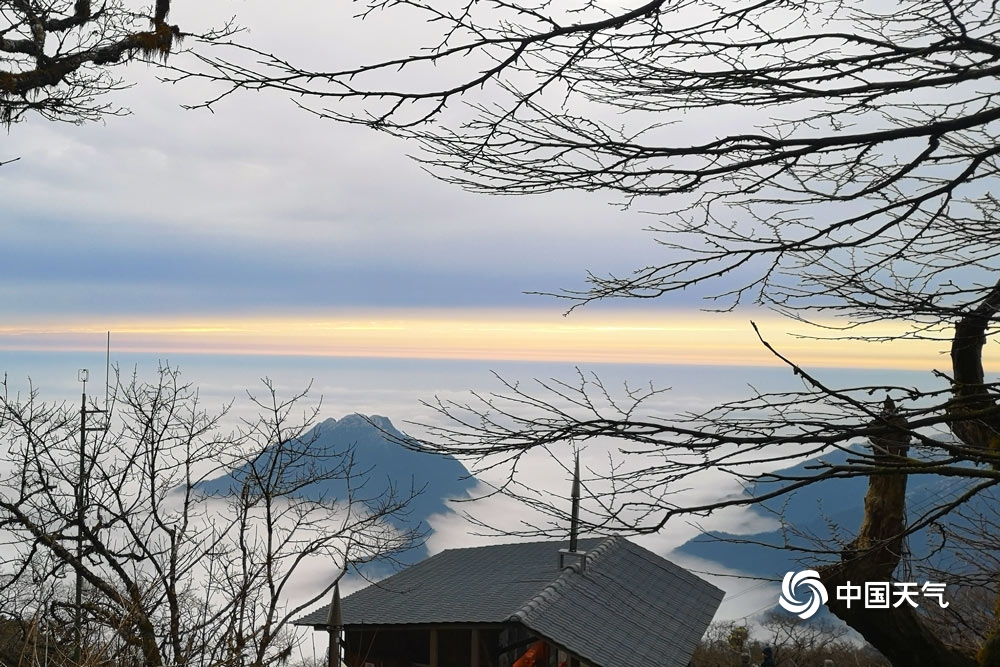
(898, 632)
(973, 409)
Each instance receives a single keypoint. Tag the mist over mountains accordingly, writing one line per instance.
(379, 460)
(825, 516)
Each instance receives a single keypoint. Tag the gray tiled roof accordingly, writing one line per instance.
(474, 585)
(627, 608)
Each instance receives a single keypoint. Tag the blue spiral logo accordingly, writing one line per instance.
(808, 580)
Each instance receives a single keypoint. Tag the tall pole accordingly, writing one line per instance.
(335, 625)
(107, 372)
(574, 521)
(81, 507)
(80, 485)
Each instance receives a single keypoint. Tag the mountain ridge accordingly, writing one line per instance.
(830, 512)
(377, 457)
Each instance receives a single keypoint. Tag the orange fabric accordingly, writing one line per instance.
(533, 657)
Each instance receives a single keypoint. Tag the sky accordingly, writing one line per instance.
(259, 240)
(257, 228)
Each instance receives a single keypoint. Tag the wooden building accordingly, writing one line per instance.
(537, 604)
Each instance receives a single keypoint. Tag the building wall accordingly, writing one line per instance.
(437, 647)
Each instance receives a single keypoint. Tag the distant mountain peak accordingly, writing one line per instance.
(375, 447)
(358, 420)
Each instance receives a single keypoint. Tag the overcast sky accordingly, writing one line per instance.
(260, 228)
(263, 208)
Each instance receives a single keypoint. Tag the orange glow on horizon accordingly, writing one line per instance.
(586, 337)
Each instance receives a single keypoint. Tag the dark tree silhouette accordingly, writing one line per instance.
(835, 161)
(57, 57)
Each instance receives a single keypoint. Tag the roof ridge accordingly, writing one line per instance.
(548, 593)
(606, 544)
(553, 589)
(499, 545)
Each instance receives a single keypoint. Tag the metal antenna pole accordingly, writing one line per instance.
(81, 512)
(335, 626)
(574, 522)
(107, 372)
(81, 485)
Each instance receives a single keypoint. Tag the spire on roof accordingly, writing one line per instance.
(335, 625)
(574, 521)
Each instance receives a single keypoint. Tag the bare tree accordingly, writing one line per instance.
(834, 161)
(795, 643)
(176, 571)
(57, 57)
